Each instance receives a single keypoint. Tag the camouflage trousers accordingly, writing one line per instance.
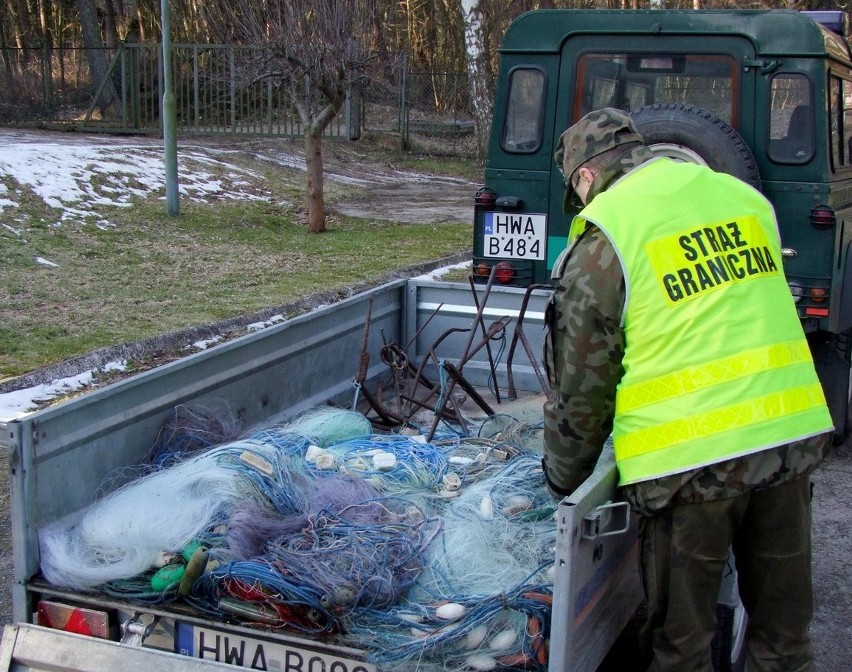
(684, 551)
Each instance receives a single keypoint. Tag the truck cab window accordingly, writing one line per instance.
(631, 81)
(522, 130)
(791, 123)
(840, 120)
(847, 120)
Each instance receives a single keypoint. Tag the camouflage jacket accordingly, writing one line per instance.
(583, 353)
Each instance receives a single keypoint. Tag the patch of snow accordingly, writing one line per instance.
(5, 201)
(19, 403)
(77, 178)
(259, 326)
(440, 272)
(203, 345)
(22, 402)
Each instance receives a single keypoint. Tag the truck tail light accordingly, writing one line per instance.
(822, 217)
(504, 273)
(485, 198)
(811, 300)
(819, 294)
(817, 307)
(73, 619)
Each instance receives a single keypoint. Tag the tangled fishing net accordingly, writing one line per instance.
(420, 553)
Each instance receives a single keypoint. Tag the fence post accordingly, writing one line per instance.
(169, 119)
(269, 103)
(233, 89)
(160, 89)
(47, 78)
(134, 56)
(352, 113)
(124, 85)
(196, 101)
(403, 102)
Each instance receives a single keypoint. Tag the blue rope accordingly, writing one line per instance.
(442, 380)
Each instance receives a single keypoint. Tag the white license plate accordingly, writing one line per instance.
(257, 654)
(512, 235)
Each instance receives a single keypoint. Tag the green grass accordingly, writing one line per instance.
(149, 273)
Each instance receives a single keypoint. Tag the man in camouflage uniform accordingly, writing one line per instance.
(759, 504)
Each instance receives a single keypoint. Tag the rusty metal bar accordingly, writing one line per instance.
(520, 335)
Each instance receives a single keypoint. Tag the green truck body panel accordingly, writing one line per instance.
(773, 33)
(762, 56)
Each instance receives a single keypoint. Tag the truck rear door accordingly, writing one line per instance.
(510, 215)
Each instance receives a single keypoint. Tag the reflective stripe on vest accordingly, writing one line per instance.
(716, 363)
(691, 379)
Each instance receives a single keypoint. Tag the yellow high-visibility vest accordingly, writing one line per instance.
(716, 364)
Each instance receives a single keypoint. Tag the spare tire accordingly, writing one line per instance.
(688, 133)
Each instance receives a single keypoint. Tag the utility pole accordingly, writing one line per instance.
(169, 118)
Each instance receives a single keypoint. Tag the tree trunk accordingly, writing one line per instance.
(24, 30)
(477, 67)
(110, 26)
(97, 57)
(141, 36)
(7, 62)
(44, 24)
(313, 160)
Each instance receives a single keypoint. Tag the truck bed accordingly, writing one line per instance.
(308, 361)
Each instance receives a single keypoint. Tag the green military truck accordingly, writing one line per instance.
(763, 95)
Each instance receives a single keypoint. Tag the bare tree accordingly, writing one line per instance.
(97, 55)
(476, 47)
(314, 54)
(23, 24)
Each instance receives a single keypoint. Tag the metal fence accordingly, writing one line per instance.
(437, 113)
(219, 90)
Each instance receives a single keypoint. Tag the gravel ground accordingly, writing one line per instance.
(832, 561)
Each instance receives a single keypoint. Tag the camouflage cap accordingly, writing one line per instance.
(594, 134)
